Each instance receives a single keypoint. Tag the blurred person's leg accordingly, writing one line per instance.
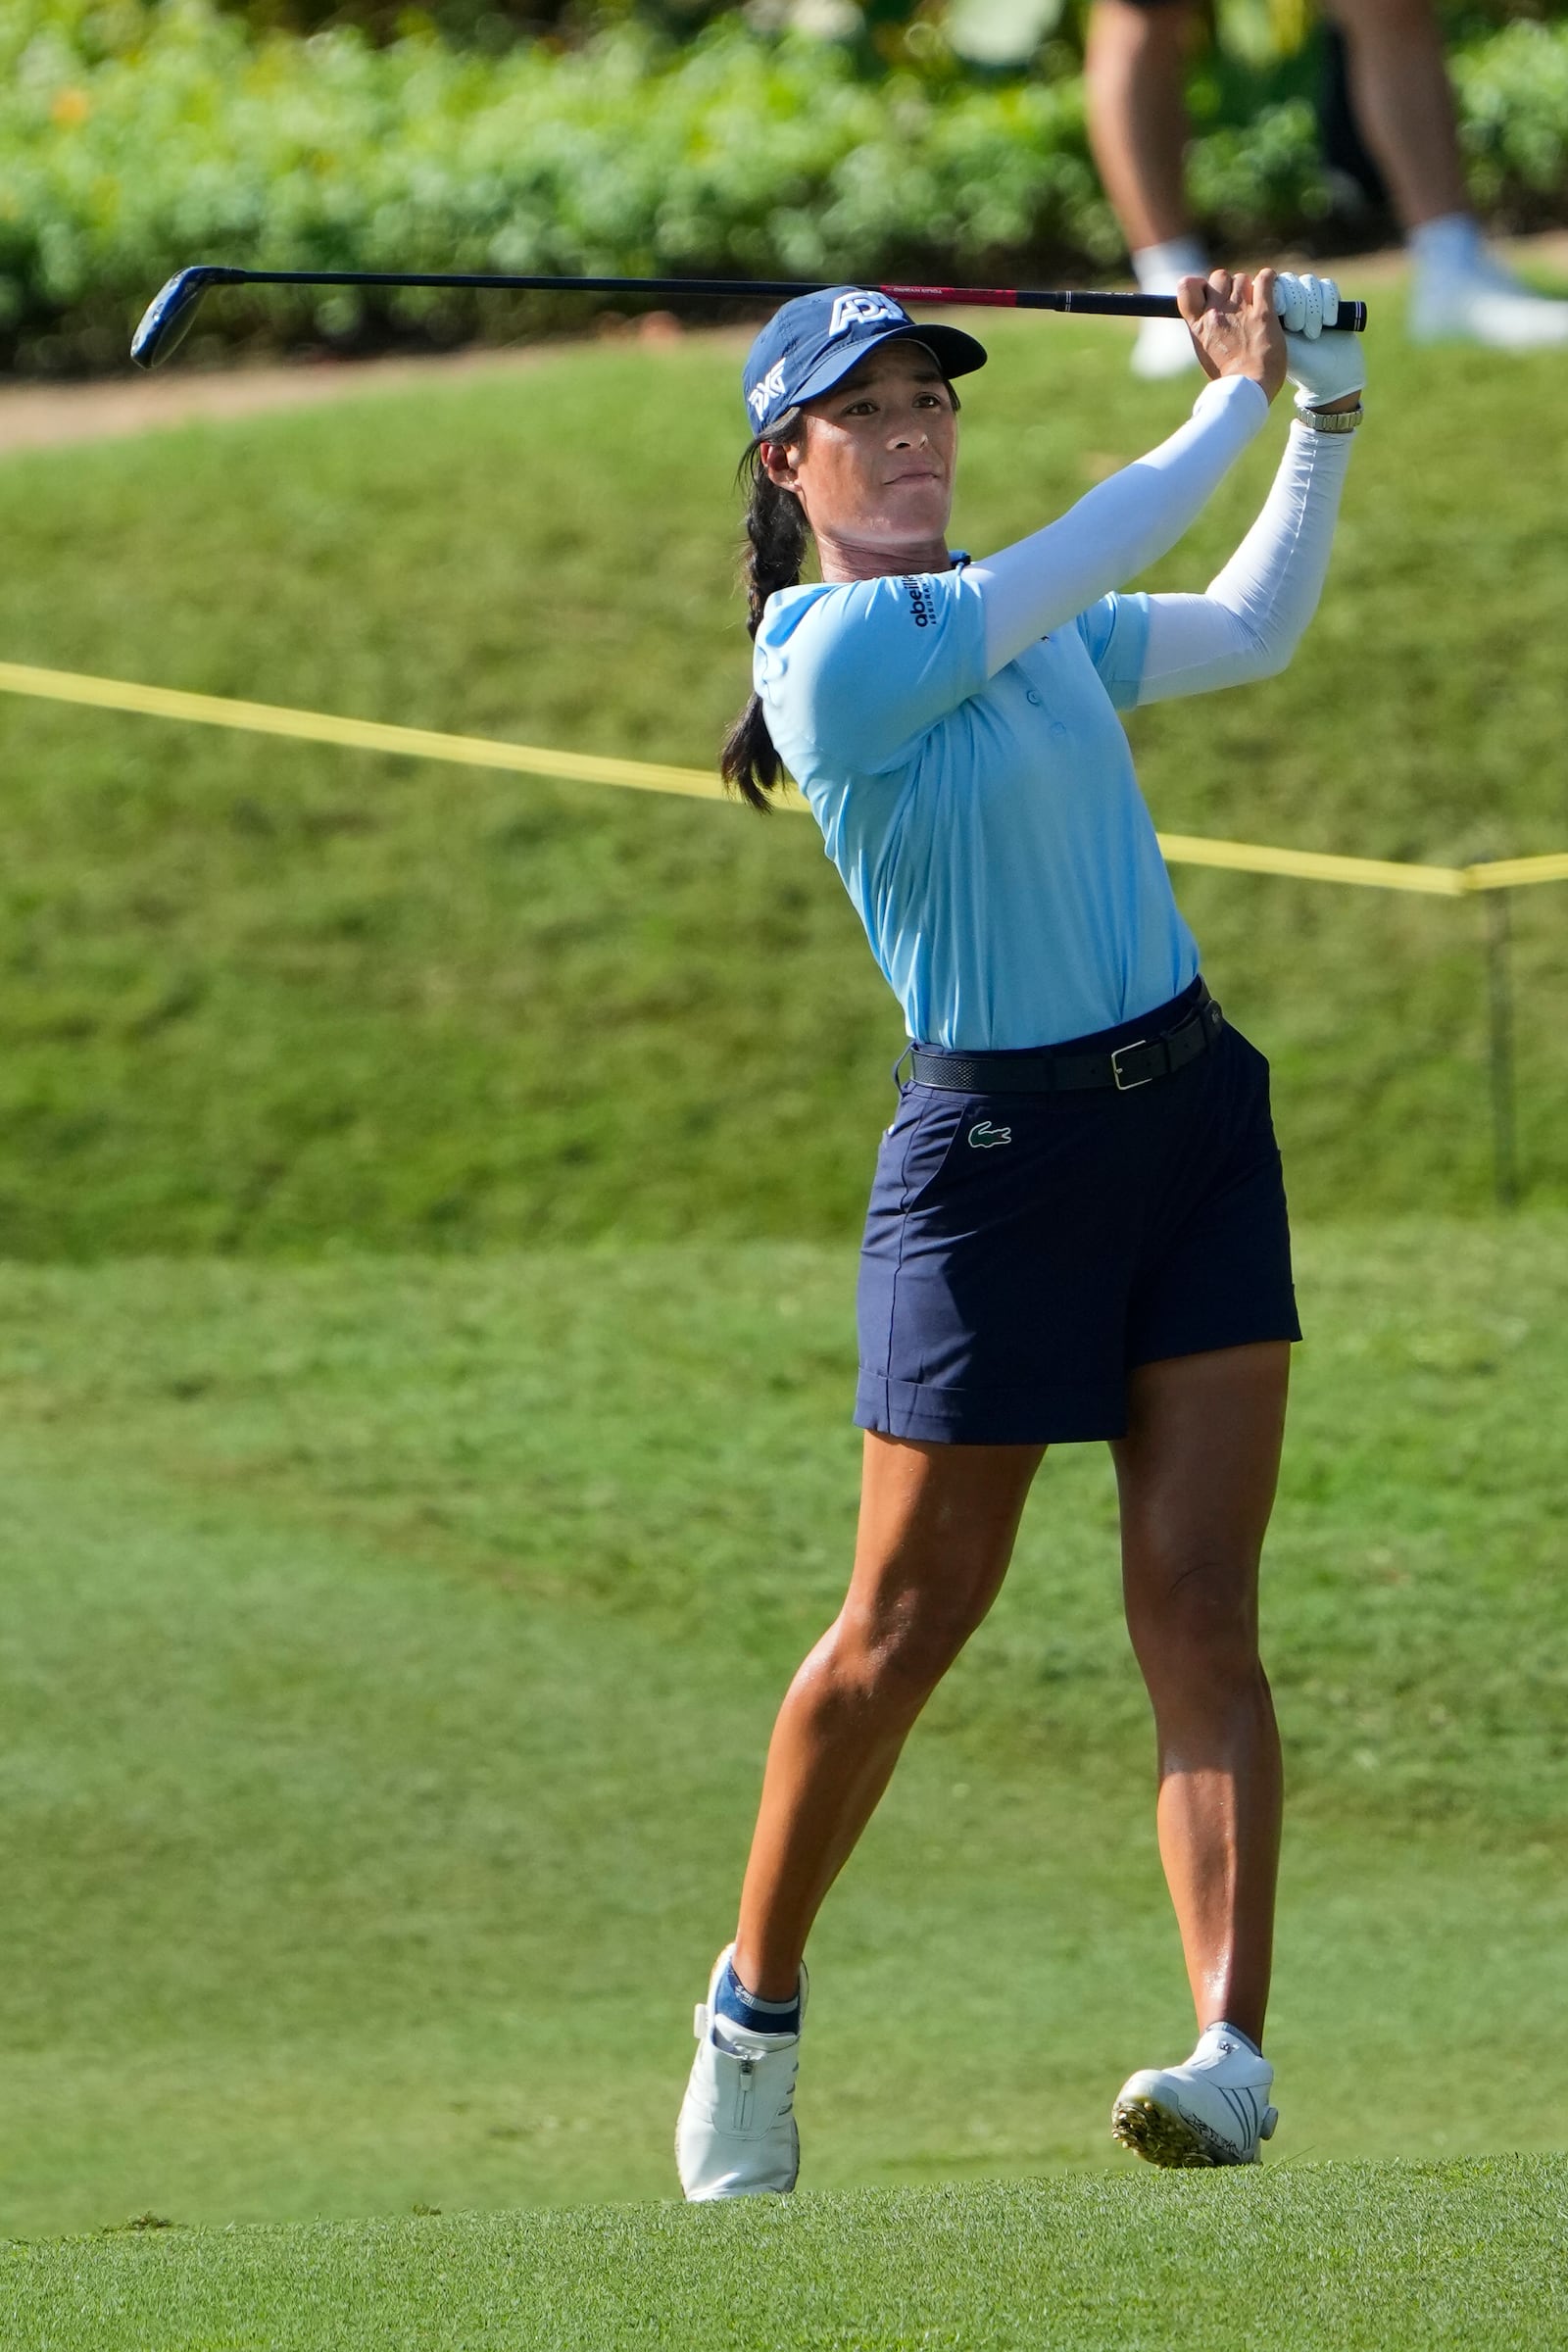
(1404, 107)
(1358, 186)
(1135, 65)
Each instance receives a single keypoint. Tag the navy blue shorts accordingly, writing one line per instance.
(1023, 1253)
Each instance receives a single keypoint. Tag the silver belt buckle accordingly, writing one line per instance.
(1128, 1085)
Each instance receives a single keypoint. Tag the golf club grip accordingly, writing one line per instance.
(1349, 320)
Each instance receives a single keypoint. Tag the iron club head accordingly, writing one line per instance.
(170, 316)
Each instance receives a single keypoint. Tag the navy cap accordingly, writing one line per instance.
(814, 342)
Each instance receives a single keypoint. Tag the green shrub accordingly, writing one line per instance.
(1513, 112)
(137, 138)
(179, 137)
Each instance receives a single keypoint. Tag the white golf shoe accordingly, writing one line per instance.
(1212, 2109)
(1162, 348)
(736, 2136)
(1484, 303)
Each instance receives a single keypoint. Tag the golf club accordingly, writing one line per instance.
(172, 313)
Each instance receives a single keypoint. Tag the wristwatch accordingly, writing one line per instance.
(1341, 421)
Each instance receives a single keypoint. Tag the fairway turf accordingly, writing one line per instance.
(388, 1657)
(270, 998)
(1349, 2258)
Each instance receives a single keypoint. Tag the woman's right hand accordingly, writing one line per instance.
(1234, 326)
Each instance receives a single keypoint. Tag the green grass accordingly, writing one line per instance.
(388, 1658)
(1363, 2257)
(261, 998)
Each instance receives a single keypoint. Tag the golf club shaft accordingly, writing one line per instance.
(1351, 318)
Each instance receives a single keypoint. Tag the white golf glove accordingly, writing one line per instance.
(1322, 367)
(1301, 304)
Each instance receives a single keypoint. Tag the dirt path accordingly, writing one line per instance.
(35, 415)
(44, 415)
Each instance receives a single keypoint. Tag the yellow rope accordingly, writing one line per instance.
(1315, 865)
(641, 775)
(1513, 874)
(354, 734)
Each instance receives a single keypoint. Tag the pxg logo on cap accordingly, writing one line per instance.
(815, 340)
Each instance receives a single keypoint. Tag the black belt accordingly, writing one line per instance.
(1136, 1063)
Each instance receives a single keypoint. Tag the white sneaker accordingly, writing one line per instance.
(1212, 2109)
(1163, 348)
(1484, 303)
(736, 2136)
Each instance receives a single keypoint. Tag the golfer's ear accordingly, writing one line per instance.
(778, 462)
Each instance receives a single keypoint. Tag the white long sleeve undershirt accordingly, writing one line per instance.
(1251, 617)
(1249, 620)
(1121, 527)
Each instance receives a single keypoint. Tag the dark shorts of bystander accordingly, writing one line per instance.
(1023, 1253)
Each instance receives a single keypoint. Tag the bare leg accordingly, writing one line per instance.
(1197, 1473)
(1459, 292)
(1404, 104)
(936, 1530)
(1135, 64)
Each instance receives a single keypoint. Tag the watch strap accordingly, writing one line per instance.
(1321, 420)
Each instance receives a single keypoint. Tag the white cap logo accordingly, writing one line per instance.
(762, 395)
(860, 310)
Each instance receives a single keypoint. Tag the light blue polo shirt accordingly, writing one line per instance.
(991, 832)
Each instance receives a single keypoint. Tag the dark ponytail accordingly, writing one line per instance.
(777, 535)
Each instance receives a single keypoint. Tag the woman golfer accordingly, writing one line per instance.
(1077, 1227)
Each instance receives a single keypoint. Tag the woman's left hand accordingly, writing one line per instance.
(1234, 326)
(1325, 367)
